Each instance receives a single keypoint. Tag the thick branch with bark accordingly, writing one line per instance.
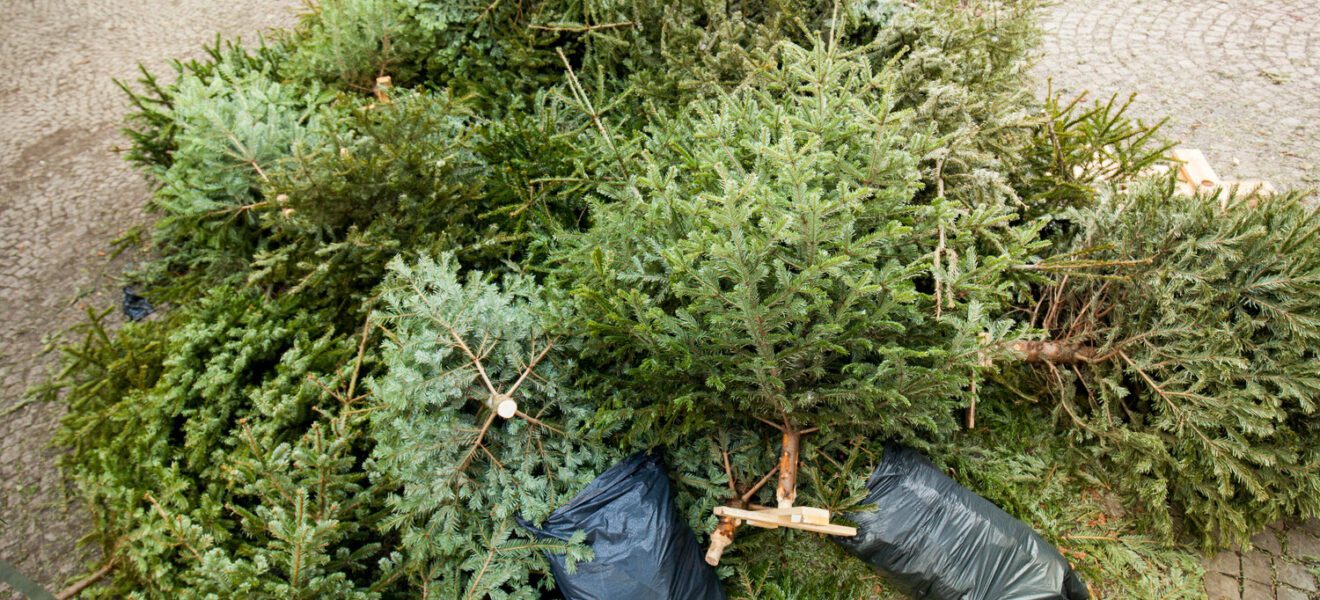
(1055, 352)
(786, 491)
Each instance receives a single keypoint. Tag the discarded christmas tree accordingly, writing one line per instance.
(780, 266)
(1180, 338)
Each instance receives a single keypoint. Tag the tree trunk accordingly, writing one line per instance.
(786, 492)
(1055, 352)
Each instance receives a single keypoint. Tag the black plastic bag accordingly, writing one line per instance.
(136, 307)
(936, 539)
(643, 548)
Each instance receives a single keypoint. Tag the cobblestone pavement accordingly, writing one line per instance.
(1240, 80)
(64, 195)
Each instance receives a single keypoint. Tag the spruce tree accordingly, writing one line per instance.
(769, 260)
(1180, 338)
(458, 349)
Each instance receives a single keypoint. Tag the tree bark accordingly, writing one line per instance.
(1055, 352)
(786, 491)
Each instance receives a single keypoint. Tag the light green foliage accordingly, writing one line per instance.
(962, 70)
(466, 474)
(773, 261)
(1079, 148)
(1202, 320)
(229, 131)
(153, 125)
(211, 415)
(307, 512)
(349, 43)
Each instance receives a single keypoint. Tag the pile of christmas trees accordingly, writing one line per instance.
(431, 267)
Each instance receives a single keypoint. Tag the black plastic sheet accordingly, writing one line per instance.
(936, 539)
(643, 548)
(136, 307)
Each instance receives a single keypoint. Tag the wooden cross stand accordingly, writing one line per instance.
(786, 515)
(1195, 174)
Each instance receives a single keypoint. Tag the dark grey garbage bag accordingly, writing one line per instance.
(936, 539)
(643, 548)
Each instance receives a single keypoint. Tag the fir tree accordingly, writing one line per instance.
(1180, 339)
(768, 259)
(220, 451)
(457, 349)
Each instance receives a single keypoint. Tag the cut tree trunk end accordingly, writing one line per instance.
(723, 535)
(503, 405)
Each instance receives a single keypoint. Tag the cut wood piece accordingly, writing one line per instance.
(503, 405)
(1244, 189)
(1252, 186)
(755, 518)
(382, 90)
(718, 542)
(839, 530)
(1194, 169)
(786, 491)
(801, 514)
(1184, 188)
(769, 519)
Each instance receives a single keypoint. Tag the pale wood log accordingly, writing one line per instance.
(1054, 352)
(786, 491)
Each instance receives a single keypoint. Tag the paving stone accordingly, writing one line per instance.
(1303, 543)
(1255, 590)
(1227, 562)
(1267, 541)
(1221, 587)
(1295, 575)
(1256, 566)
(1286, 593)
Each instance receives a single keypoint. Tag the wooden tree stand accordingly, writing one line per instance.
(786, 515)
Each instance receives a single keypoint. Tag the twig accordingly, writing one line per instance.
(939, 249)
(581, 95)
(768, 422)
(172, 525)
(536, 421)
(17, 406)
(759, 484)
(362, 348)
(242, 208)
(473, 357)
(728, 473)
(530, 366)
(472, 452)
(77, 588)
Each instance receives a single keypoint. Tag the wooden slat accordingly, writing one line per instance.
(1195, 169)
(1252, 186)
(802, 514)
(768, 519)
(839, 530)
